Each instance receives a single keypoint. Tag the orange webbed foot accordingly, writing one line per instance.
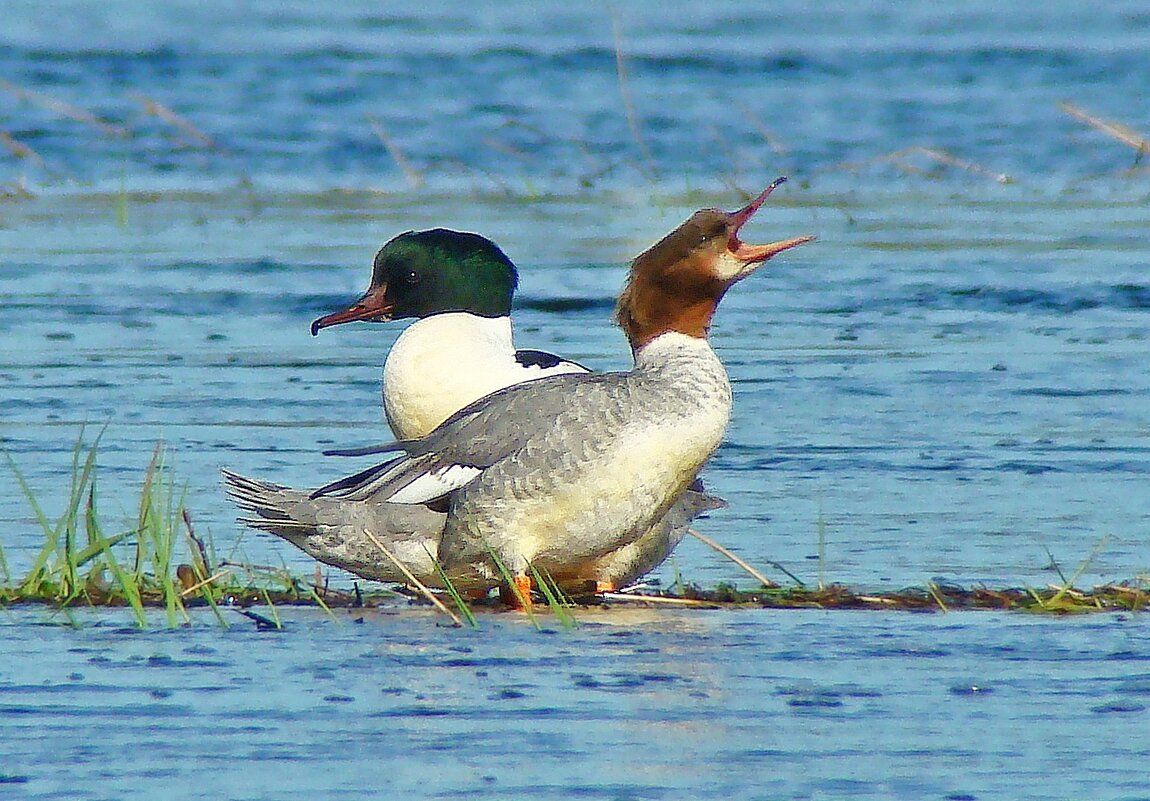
(519, 596)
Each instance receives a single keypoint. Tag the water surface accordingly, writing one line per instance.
(630, 706)
(950, 384)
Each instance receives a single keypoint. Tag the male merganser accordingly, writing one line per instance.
(459, 287)
(558, 472)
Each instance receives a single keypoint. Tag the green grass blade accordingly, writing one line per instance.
(31, 583)
(311, 593)
(1068, 584)
(524, 603)
(96, 548)
(456, 598)
(4, 568)
(84, 485)
(272, 609)
(125, 580)
(41, 518)
(555, 599)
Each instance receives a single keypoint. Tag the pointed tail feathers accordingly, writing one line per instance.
(343, 533)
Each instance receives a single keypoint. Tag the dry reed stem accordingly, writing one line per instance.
(189, 590)
(1066, 589)
(625, 91)
(201, 550)
(63, 109)
(479, 171)
(411, 577)
(897, 157)
(732, 556)
(655, 599)
(874, 599)
(500, 147)
(729, 182)
(19, 149)
(732, 156)
(1125, 135)
(584, 149)
(776, 146)
(932, 588)
(413, 176)
(943, 157)
(177, 121)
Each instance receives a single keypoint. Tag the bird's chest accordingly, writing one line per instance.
(603, 493)
(433, 371)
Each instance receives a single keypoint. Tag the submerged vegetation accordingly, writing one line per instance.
(158, 562)
(516, 140)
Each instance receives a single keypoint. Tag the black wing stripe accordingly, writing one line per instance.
(543, 360)
(357, 480)
(366, 450)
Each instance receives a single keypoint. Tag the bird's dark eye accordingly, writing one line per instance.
(707, 236)
(412, 277)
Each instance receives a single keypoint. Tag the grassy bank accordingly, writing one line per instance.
(155, 562)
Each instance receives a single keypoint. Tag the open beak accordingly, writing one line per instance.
(372, 306)
(754, 255)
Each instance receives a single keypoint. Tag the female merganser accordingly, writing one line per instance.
(347, 534)
(559, 472)
(459, 287)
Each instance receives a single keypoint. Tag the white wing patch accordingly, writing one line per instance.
(562, 368)
(435, 484)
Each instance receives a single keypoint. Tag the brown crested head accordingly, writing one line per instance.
(676, 284)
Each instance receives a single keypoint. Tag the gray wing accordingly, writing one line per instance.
(513, 420)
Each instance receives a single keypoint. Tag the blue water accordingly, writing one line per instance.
(525, 97)
(951, 383)
(632, 706)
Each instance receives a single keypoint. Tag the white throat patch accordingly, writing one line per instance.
(728, 268)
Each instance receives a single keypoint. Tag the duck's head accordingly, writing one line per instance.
(676, 284)
(421, 273)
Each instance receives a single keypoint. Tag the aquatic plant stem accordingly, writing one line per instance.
(625, 91)
(519, 589)
(194, 135)
(413, 176)
(710, 543)
(554, 596)
(657, 599)
(821, 525)
(64, 109)
(427, 593)
(456, 598)
(205, 582)
(272, 608)
(1067, 585)
(1126, 136)
(932, 588)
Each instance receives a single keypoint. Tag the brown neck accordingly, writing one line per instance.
(681, 297)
